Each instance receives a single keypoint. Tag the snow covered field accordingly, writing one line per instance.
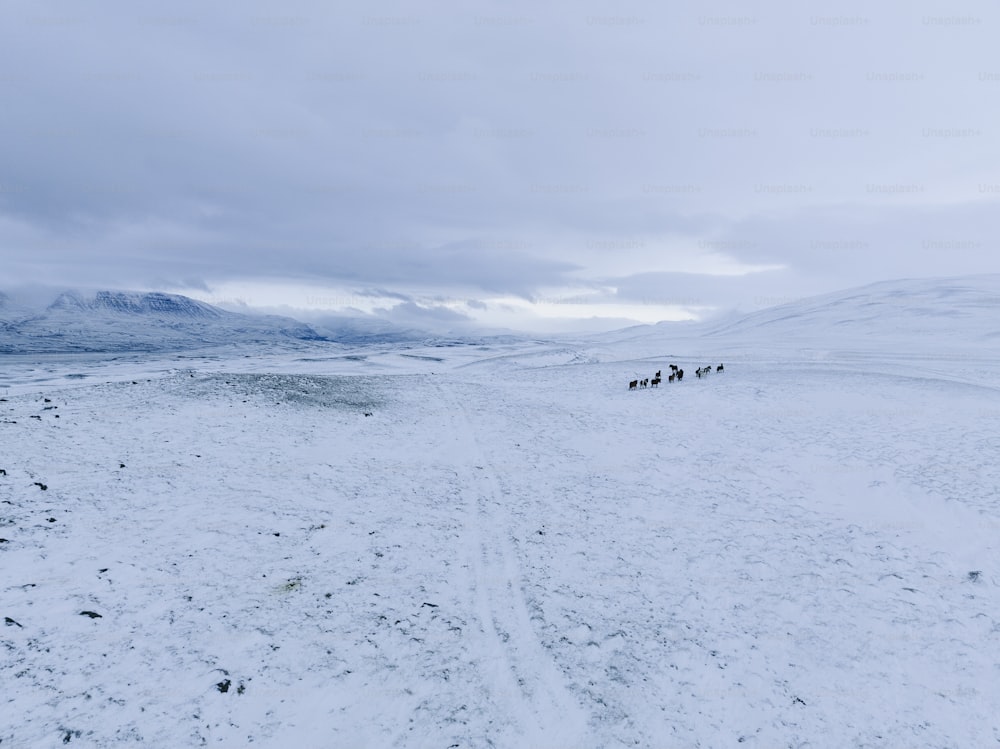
(512, 550)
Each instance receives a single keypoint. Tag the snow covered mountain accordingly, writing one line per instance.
(114, 321)
(139, 304)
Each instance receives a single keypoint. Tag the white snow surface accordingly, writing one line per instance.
(513, 549)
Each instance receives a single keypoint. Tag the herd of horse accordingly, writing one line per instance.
(675, 374)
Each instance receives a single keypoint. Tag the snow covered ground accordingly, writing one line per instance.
(512, 550)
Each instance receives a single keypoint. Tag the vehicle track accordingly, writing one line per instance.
(527, 683)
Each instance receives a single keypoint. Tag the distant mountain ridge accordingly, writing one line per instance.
(909, 313)
(120, 321)
(137, 304)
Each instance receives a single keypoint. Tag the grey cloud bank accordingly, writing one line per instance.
(463, 159)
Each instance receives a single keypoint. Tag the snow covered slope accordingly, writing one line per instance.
(118, 321)
(911, 312)
(512, 549)
(937, 328)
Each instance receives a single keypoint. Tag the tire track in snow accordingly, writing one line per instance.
(526, 680)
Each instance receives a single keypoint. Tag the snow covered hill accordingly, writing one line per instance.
(925, 327)
(909, 312)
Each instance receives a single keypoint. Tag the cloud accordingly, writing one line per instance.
(408, 150)
(411, 314)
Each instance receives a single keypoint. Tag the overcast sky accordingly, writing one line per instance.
(513, 164)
